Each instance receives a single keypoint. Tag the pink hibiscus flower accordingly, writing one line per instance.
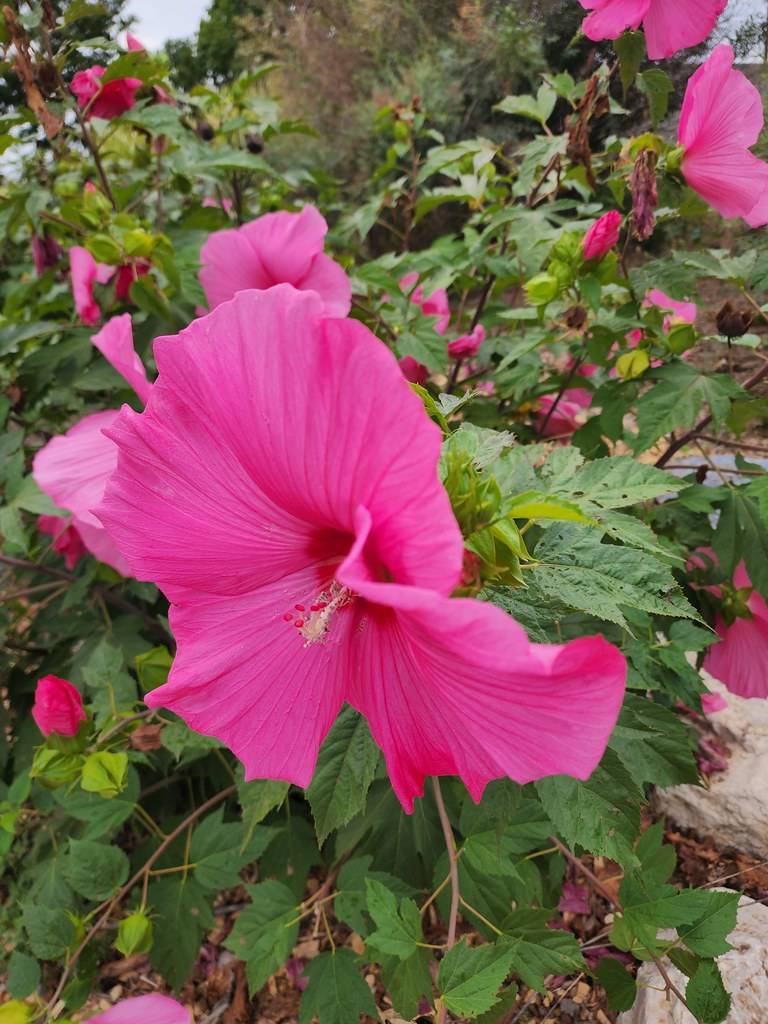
(278, 248)
(569, 413)
(669, 26)
(107, 100)
(152, 1009)
(602, 236)
(721, 118)
(739, 661)
(281, 487)
(66, 540)
(435, 304)
(85, 272)
(468, 345)
(126, 275)
(680, 312)
(73, 468)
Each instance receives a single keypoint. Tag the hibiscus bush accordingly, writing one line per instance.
(356, 579)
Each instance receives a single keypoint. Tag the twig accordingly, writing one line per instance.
(733, 444)
(122, 723)
(29, 591)
(563, 388)
(139, 876)
(453, 869)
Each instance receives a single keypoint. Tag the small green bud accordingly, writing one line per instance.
(134, 934)
(105, 773)
(54, 768)
(152, 667)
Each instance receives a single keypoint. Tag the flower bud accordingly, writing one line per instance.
(733, 323)
(58, 707)
(134, 935)
(254, 143)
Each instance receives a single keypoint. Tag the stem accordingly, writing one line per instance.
(142, 873)
(29, 591)
(122, 723)
(563, 388)
(453, 868)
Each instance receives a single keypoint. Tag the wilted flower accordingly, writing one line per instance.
(105, 100)
(602, 236)
(668, 26)
(46, 252)
(58, 707)
(151, 1009)
(281, 487)
(721, 118)
(72, 469)
(732, 322)
(468, 345)
(278, 248)
(645, 197)
(66, 540)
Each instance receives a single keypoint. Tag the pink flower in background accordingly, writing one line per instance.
(721, 118)
(569, 414)
(132, 43)
(73, 468)
(278, 248)
(126, 275)
(669, 25)
(107, 100)
(85, 272)
(58, 707)
(739, 660)
(152, 1009)
(602, 236)
(309, 552)
(713, 702)
(46, 252)
(414, 371)
(66, 540)
(468, 345)
(435, 304)
(681, 312)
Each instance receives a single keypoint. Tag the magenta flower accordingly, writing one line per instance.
(281, 487)
(278, 248)
(58, 707)
(413, 371)
(435, 304)
(740, 658)
(721, 118)
(468, 345)
(73, 468)
(85, 272)
(225, 204)
(126, 275)
(669, 26)
(569, 414)
(132, 43)
(66, 540)
(713, 702)
(152, 1009)
(602, 236)
(680, 312)
(107, 100)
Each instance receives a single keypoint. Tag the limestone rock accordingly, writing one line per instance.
(733, 808)
(745, 975)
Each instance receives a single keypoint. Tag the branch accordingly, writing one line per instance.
(453, 869)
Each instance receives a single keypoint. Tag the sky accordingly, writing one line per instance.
(159, 20)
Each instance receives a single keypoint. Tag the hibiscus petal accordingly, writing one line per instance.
(151, 1009)
(115, 342)
(453, 686)
(672, 26)
(740, 658)
(733, 181)
(245, 674)
(721, 107)
(230, 265)
(266, 429)
(72, 469)
(331, 283)
(610, 18)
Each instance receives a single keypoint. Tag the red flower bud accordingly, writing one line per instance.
(58, 707)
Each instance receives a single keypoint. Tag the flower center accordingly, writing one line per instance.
(313, 622)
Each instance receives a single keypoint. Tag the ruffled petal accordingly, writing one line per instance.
(115, 342)
(151, 1009)
(229, 264)
(453, 686)
(733, 181)
(610, 18)
(721, 109)
(672, 25)
(331, 283)
(245, 674)
(73, 470)
(266, 429)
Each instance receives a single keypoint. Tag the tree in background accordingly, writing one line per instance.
(213, 54)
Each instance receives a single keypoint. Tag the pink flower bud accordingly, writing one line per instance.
(58, 707)
(602, 236)
(468, 345)
(413, 370)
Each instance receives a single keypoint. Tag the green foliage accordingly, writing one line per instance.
(336, 994)
(266, 931)
(469, 979)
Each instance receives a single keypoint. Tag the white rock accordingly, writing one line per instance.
(745, 975)
(733, 808)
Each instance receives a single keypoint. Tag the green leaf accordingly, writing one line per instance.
(351, 903)
(95, 870)
(105, 773)
(101, 817)
(601, 814)
(152, 667)
(407, 981)
(653, 744)
(23, 975)
(657, 86)
(110, 687)
(135, 934)
(502, 1011)
(619, 984)
(336, 993)
(469, 979)
(265, 932)
(257, 799)
(706, 994)
(615, 482)
(537, 950)
(630, 49)
(742, 534)
(398, 928)
(708, 934)
(219, 850)
(345, 770)
(182, 916)
(50, 932)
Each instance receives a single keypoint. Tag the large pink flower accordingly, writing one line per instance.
(740, 659)
(670, 25)
(152, 1009)
(721, 117)
(85, 272)
(73, 468)
(281, 487)
(105, 100)
(278, 248)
